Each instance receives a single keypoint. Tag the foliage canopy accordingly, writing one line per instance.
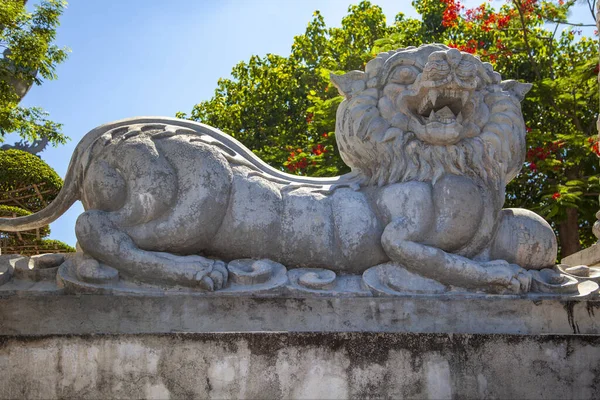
(27, 185)
(29, 57)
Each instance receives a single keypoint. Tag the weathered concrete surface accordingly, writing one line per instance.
(589, 256)
(301, 366)
(45, 314)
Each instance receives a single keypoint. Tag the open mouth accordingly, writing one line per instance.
(444, 106)
(441, 115)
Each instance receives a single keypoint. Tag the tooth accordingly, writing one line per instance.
(464, 97)
(432, 115)
(423, 105)
(433, 95)
(459, 117)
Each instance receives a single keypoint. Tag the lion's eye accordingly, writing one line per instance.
(466, 69)
(404, 75)
(437, 69)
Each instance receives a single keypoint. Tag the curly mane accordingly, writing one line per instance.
(374, 132)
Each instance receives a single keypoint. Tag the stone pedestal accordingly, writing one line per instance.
(51, 314)
(54, 345)
(326, 365)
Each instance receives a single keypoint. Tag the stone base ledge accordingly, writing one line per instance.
(50, 313)
(589, 256)
(300, 365)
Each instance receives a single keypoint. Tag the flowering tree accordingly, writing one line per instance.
(283, 108)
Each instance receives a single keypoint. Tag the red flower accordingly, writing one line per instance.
(555, 196)
(469, 47)
(325, 134)
(595, 145)
(527, 6)
(533, 167)
(450, 15)
(318, 150)
(502, 22)
(475, 14)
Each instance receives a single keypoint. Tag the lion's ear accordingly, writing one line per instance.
(349, 83)
(518, 89)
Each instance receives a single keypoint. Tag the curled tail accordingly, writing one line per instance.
(63, 201)
(69, 193)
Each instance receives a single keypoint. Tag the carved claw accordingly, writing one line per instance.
(219, 275)
(521, 282)
(512, 277)
(215, 279)
(204, 282)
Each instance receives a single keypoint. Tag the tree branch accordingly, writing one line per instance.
(568, 23)
(525, 38)
(592, 7)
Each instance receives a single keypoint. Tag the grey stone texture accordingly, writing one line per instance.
(589, 256)
(432, 136)
(181, 345)
(301, 366)
(26, 312)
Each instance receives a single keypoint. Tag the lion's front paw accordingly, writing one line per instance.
(509, 278)
(214, 279)
(521, 280)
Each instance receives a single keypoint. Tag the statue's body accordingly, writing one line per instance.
(432, 137)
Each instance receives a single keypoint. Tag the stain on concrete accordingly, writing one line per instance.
(300, 365)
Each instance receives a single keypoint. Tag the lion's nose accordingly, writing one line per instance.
(453, 56)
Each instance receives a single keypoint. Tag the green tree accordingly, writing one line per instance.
(29, 57)
(283, 108)
(27, 185)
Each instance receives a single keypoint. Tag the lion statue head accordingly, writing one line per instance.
(418, 113)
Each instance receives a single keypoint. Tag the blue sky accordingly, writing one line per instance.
(152, 57)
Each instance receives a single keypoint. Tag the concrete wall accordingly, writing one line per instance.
(300, 365)
(415, 346)
(129, 314)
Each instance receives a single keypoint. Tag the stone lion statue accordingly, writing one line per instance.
(432, 135)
